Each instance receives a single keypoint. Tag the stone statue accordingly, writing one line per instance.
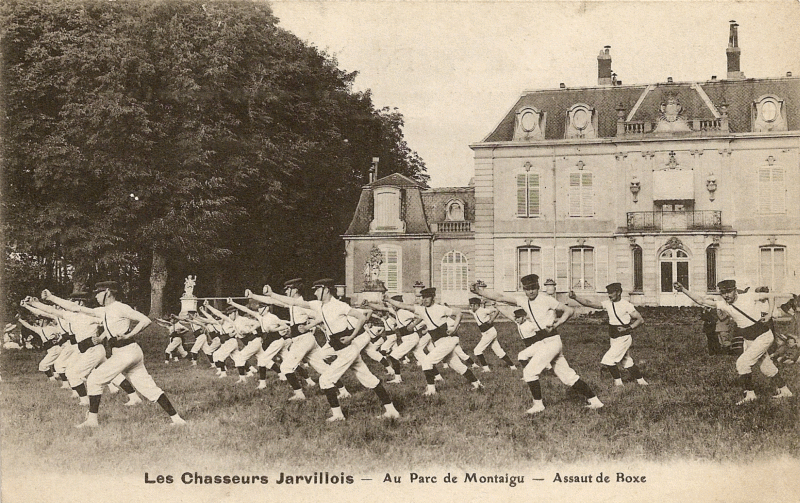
(372, 271)
(188, 286)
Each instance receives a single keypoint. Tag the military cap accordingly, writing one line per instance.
(428, 292)
(475, 300)
(230, 309)
(106, 285)
(519, 313)
(726, 285)
(549, 282)
(530, 281)
(293, 283)
(614, 287)
(398, 298)
(324, 282)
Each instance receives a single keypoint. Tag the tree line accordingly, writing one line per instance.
(143, 141)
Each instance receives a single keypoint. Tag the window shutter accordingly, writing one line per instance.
(778, 191)
(391, 269)
(562, 269)
(587, 197)
(602, 268)
(509, 269)
(533, 194)
(522, 200)
(574, 194)
(547, 263)
(765, 191)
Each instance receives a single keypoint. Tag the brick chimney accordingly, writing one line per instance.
(734, 53)
(604, 67)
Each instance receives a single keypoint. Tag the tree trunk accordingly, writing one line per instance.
(158, 281)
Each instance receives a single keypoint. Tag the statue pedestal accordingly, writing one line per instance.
(371, 296)
(188, 305)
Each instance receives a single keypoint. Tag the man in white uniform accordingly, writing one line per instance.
(623, 319)
(126, 355)
(745, 310)
(347, 339)
(444, 338)
(484, 317)
(547, 314)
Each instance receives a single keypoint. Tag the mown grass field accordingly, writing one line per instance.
(687, 414)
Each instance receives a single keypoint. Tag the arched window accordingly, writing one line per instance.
(674, 267)
(455, 272)
(638, 269)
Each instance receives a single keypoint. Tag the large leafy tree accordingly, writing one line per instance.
(146, 136)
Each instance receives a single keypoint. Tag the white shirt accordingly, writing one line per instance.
(245, 326)
(541, 310)
(434, 316)
(116, 318)
(482, 314)
(333, 314)
(527, 329)
(748, 303)
(82, 325)
(268, 321)
(623, 310)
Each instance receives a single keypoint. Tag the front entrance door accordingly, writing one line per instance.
(673, 266)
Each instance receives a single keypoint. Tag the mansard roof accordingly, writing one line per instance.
(421, 207)
(699, 101)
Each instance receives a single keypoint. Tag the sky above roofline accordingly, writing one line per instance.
(454, 69)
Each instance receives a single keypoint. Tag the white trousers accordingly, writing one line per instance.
(350, 358)
(619, 352)
(304, 348)
(547, 352)
(754, 351)
(444, 350)
(128, 361)
(489, 339)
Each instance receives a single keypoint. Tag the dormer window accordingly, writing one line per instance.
(581, 122)
(387, 211)
(455, 211)
(769, 114)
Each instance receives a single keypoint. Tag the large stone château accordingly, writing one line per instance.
(642, 184)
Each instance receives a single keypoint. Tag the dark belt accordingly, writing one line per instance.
(336, 339)
(614, 333)
(72, 339)
(753, 331)
(541, 335)
(294, 331)
(483, 327)
(268, 338)
(530, 341)
(85, 344)
(120, 343)
(438, 332)
(402, 331)
(223, 338)
(247, 339)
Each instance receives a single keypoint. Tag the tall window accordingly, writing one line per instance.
(387, 208)
(455, 271)
(773, 267)
(711, 268)
(581, 197)
(638, 269)
(529, 261)
(391, 268)
(528, 195)
(582, 268)
(771, 190)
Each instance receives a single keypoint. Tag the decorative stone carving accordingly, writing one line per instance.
(769, 114)
(372, 271)
(671, 120)
(636, 186)
(674, 243)
(529, 124)
(711, 185)
(188, 299)
(581, 122)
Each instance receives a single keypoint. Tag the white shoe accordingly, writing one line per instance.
(298, 397)
(88, 424)
(166, 362)
(178, 421)
(84, 401)
(333, 419)
(438, 378)
(512, 367)
(445, 366)
(618, 382)
(281, 377)
(537, 408)
(486, 370)
(594, 403)
(222, 374)
(396, 380)
(262, 385)
(749, 396)
(242, 380)
(344, 394)
(310, 383)
(642, 382)
(783, 393)
(65, 385)
(52, 378)
(477, 385)
(429, 392)
(389, 414)
(135, 400)
(175, 358)
(194, 363)
(474, 365)
(75, 394)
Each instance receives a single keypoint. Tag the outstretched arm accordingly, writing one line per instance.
(699, 299)
(397, 304)
(481, 290)
(243, 309)
(66, 304)
(584, 302)
(269, 294)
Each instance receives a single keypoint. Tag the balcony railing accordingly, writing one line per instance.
(674, 220)
(451, 227)
(697, 126)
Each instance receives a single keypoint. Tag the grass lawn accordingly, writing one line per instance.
(686, 416)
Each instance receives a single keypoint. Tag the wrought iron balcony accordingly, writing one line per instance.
(673, 220)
